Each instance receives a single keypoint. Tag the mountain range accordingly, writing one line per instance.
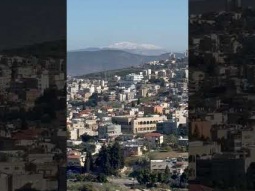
(97, 60)
(90, 60)
(134, 48)
(115, 56)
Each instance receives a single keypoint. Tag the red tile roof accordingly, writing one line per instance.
(87, 111)
(28, 134)
(73, 156)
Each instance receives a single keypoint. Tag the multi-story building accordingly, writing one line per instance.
(75, 160)
(183, 141)
(160, 166)
(124, 121)
(134, 77)
(198, 149)
(143, 92)
(157, 109)
(136, 125)
(201, 128)
(109, 131)
(111, 96)
(154, 139)
(146, 124)
(132, 150)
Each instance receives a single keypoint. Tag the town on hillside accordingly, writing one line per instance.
(32, 123)
(128, 130)
(221, 101)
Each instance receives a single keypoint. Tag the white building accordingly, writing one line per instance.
(122, 97)
(25, 71)
(134, 77)
(183, 141)
(109, 130)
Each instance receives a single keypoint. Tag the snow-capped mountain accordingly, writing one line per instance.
(135, 48)
(131, 45)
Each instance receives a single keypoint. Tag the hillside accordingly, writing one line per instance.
(54, 49)
(85, 62)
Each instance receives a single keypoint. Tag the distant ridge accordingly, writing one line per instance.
(85, 49)
(146, 52)
(85, 62)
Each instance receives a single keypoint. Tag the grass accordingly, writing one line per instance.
(157, 155)
(130, 161)
(77, 186)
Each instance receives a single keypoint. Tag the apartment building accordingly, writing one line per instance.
(146, 124)
(109, 131)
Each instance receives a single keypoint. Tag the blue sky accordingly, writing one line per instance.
(99, 23)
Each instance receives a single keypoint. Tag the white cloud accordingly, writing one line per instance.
(132, 46)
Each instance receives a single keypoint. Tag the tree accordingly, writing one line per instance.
(138, 101)
(87, 138)
(184, 177)
(110, 159)
(153, 178)
(144, 177)
(160, 177)
(88, 162)
(172, 139)
(162, 82)
(101, 178)
(103, 160)
(117, 160)
(251, 176)
(167, 173)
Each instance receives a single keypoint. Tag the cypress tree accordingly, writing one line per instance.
(153, 178)
(107, 168)
(117, 159)
(167, 173)
(88, 162)
(103, 160)
(160, 177)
